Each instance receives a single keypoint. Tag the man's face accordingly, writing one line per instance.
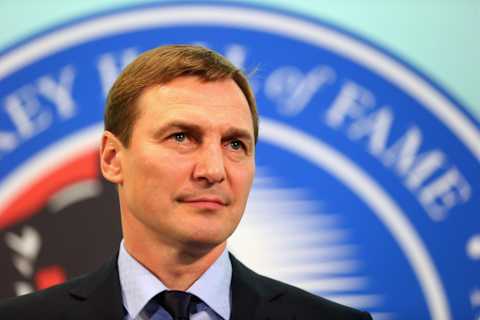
(188, 170)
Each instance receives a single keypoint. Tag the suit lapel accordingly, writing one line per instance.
(245, 296)
(253, 297)
(99, 295)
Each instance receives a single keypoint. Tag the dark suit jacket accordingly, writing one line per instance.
(98, 296)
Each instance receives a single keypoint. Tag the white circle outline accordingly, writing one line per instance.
(341, 44)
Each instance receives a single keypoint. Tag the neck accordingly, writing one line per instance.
(177, 267)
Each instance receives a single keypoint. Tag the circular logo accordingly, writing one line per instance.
(367, 183)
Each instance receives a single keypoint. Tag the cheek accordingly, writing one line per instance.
(242, 179)
(161, 172)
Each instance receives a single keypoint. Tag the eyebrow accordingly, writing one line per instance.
(238, 133)
(192, 127)
(183, 125)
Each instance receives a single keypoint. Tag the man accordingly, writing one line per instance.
(179, 142)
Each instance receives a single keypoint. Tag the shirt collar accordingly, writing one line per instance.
(139, 285)
(213, 287)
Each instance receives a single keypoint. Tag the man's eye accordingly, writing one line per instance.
(179, 137)
(236, 144)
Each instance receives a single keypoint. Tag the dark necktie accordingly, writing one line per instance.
(176, 303)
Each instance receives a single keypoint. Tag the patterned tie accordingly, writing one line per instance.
(176, 303)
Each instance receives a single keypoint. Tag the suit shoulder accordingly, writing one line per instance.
(43, 304)
(308, 304)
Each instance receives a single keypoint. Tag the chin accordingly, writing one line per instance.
(207, 239)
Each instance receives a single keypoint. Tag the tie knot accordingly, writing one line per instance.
(176, 303)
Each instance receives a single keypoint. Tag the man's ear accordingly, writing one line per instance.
(110, 158)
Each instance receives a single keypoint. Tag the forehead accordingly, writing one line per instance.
(189, 98)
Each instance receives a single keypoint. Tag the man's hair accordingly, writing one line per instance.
(160, 66)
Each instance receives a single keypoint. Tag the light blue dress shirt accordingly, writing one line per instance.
(139, 285)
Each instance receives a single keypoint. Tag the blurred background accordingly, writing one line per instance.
(58, 218)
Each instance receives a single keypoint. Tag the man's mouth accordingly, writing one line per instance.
(204, 202)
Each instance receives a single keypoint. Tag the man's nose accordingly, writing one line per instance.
(210, 165)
